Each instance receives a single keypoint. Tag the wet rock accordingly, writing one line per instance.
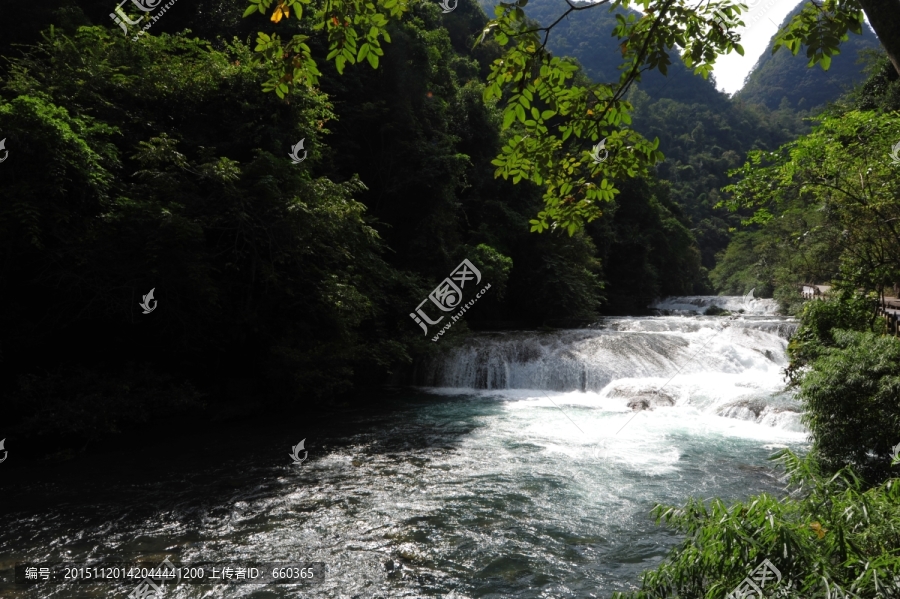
(639, 404)
(650, 402)
(411, 553)
(643, 399)
(744, 409)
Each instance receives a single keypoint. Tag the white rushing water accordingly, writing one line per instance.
(729, 367)
(526, 468)
(699, 304)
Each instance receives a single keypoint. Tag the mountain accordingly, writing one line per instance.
(784, 77)
(586, 36)
(702, 132)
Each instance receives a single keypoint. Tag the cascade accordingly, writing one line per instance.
(728, 366)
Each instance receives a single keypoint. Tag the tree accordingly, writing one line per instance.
(258, 269)
(552, 115)
(845, 170)
(822, 26)
(851, 398)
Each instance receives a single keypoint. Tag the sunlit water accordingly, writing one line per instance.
(521, 471)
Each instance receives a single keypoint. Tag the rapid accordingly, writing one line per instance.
(520, 464)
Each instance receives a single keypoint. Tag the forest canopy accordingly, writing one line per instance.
(170, 170)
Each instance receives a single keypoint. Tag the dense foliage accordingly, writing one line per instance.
(825, 207)
(832, 537)
(851, 397)
(541, 94)
(112, 193)
(159, 164)
(702, 143)
(847, 373)
(702, 133)
(551, 112)
(785, 79)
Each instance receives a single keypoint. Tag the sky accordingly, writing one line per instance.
(762, 22)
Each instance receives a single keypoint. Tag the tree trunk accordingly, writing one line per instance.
(884, 16)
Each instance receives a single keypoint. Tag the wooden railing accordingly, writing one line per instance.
(814, 291)
(888, 308)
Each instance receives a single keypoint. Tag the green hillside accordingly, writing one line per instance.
(702, 132)
(782, 75)
(586, 36)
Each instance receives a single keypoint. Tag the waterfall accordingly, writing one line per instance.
(727, 366)
(699, 304)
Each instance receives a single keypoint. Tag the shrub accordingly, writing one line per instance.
(851, 394)
(829, 538)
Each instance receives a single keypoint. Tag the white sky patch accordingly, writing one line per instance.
(762, 22)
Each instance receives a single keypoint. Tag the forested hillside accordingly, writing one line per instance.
(586, 36)
(782, 80)
(823, 206)
(702, 132)
(168, 170)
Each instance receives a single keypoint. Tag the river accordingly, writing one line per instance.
(521, 464)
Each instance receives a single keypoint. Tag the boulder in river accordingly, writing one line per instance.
(643, 399)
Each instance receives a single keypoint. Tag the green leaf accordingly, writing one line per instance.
(508, 117)
(520, 113)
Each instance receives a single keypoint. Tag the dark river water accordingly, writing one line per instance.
(444, 491)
